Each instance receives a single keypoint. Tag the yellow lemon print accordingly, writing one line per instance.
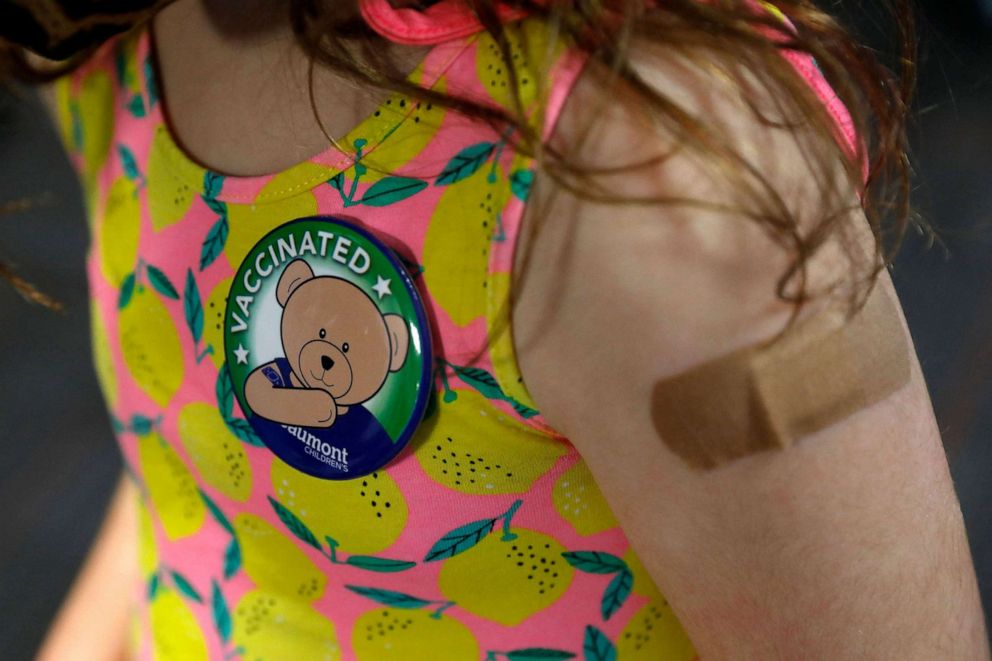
(402, 139)
(286, 197)
(177, 635)
(102, 360)
(273, 627)
(213, 321)
(147, 549)
(171, 488)
(150, 344)
(63, 110)
(128, 58)
(507, 581)
(93, 102)
(173, 180)
(529, 52)
(275, 563)
(654, 633)
(400, 635)
(579, 501)
(456, 245)
(119, 228)
(472, 447)
(217, 454)
(364, 515)
(501, 351)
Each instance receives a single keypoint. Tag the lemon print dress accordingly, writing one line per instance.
(487, 538)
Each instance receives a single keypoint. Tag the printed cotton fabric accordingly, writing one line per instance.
(487, 538)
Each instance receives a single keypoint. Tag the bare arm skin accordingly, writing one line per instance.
(851, 544)
(91, 624)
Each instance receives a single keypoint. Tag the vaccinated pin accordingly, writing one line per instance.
(328, 347)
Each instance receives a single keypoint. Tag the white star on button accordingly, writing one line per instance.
(381, 286)
(241, 354)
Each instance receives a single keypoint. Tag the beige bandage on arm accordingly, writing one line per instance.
(822, 371)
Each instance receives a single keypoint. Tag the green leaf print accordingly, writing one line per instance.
(616, 593)
(136, 106)
(221, 613)
(465, 163)
(192, 306)
(481, 380)
(225, 392)
(225, 404)
(212, 185)
(537, 654)
(127, 291)
(213, 244)
(595, 562)
(294, 524)
(215, 205)
(122, 69)
(460, 539)
(465, 537)
(216, 512)
(244, 432)
(337, 183)
(367, 562)
(523, 411)
(391, 190)
(161, 283)
(382, 565)
(487, 386)
(77, 125)
(141, 425)
(185, 587)
(597, 647)
(150, 83)
(153, 586)
(521, 182)
(390, 598)
(232, 559)
(128, 162)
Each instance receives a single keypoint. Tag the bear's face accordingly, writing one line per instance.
(335, 339)
(334, 336)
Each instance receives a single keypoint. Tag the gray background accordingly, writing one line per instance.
(58, 462)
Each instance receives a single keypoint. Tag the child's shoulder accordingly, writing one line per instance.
(654, 268)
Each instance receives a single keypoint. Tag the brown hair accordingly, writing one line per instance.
(744, 40)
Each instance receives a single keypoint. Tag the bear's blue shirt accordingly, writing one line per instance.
(355, 444)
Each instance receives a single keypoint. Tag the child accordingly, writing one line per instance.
(657, 186)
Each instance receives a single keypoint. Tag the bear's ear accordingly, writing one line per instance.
(295, 274)
(399, 340)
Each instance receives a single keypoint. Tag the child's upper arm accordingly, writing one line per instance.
(850, 542)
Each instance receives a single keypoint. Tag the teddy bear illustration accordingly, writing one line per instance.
(339, 349)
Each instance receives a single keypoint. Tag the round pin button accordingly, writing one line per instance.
(328, 347)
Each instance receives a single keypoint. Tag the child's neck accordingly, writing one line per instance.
(235, 84)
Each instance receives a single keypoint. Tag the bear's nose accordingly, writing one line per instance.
(326, 362)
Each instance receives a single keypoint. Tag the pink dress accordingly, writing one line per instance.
(487, 537)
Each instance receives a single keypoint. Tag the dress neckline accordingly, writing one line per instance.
(362, 139)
